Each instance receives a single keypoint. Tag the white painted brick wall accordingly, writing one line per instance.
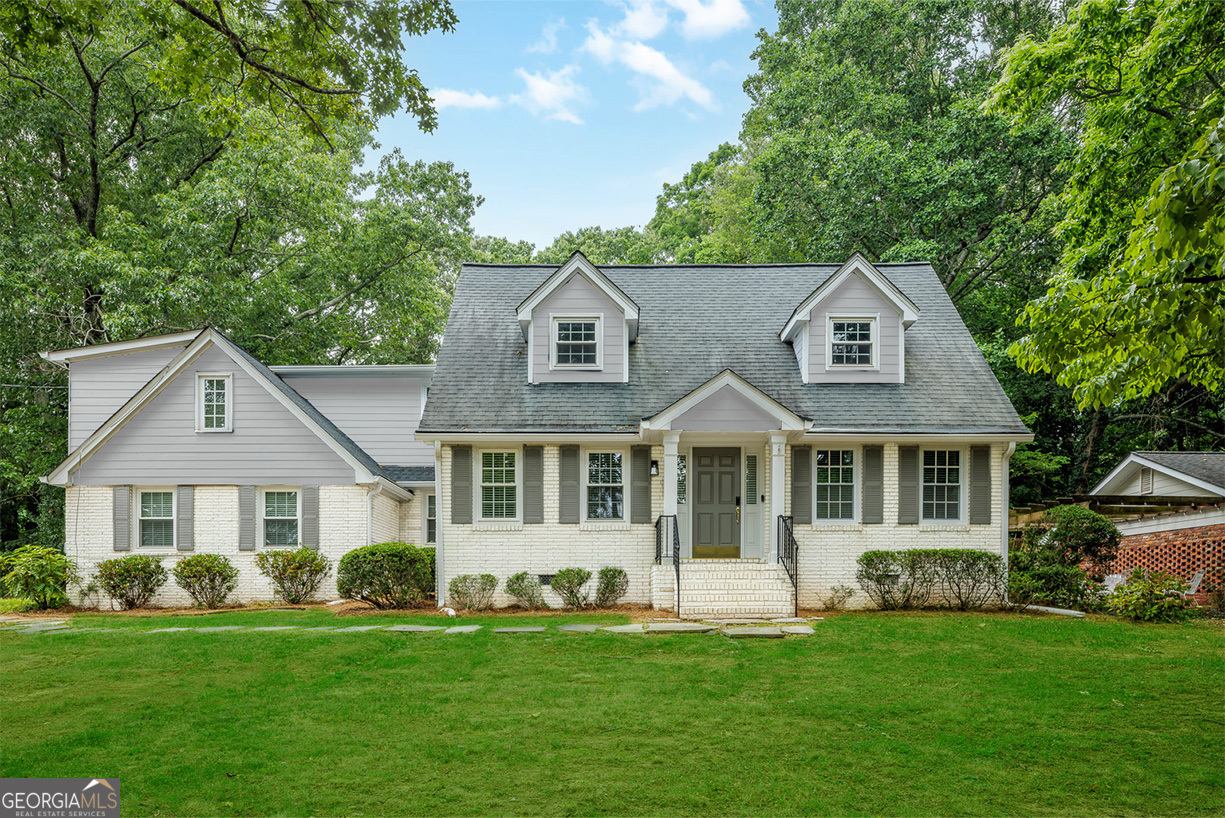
(411, 530)
(385, 519)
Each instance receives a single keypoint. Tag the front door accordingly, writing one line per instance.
(716, 503)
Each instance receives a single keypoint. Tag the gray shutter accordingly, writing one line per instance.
(246, 518)
(801, 485)
(122, 517)
(461, 485)
(980, 485)
(908, 485)
(309, 498)
(640, 484)
(872, 508)
(533, 485)
(568, 488)
(185, 517)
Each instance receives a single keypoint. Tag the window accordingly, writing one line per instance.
(280, 517)
(156, 511)
(431, 518)
(750, 479)
(835, 484)
(213, 403)
(605, 489)
(941, 485)
(576, 343)
(499, 495)
(682, 477)
(850, 342)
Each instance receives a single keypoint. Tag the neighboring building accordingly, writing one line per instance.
(732, 416)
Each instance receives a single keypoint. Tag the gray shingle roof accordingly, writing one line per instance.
(409, 474)
(696, 321)
(1206, 466)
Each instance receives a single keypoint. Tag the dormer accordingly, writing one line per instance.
(578, 325)
(852, 328)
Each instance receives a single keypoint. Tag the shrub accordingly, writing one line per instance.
(568, 583)
(385, 575)
(295, 574)
(1080, 536)
(1149, 599)
(611, 585)
(525, 588)
(131, 581)
(8, 606)
(1040, 575)
(896, 579)
(430, 553)
(39, 574)
(968, 579)
(207, 578)
(473, 592)
(838, 596)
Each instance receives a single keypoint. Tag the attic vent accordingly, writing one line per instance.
(750, 479)
(1146, 480)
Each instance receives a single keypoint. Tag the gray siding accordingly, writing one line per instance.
(725, 411)
(1163, 484)
(855, 298)
(379, 414)
(578, 297)
(98, 387)
(160, 445)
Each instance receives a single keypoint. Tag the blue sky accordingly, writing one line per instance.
(572, 113)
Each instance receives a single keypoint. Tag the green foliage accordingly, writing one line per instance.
(131, 581)
(8, 606)
(207, 578)
(525, 588)
(568, 583)
(386, 575)
(296, 574)
(968, 579)
(620, 245)
(39, 574)
(473, 592)
(1043, 571)
(837, 597)
(1153, 598)
(612, 584)
(896, 580)
(1081, 536)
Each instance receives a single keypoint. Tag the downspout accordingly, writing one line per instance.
(440, 597)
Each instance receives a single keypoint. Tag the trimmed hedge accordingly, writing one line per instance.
(473, 592)
(207, 578)
(612, 584)
(131, 581)
(526, 590)
(386, 575)
(966, 579)
(568, 583)
(296, 574)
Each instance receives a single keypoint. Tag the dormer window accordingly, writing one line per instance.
(852, 341)
(576, 343)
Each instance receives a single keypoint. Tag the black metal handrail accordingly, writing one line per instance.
(788, 556)
(673, 551)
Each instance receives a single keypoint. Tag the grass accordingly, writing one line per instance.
(922, 714)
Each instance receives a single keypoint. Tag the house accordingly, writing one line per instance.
(732, 436)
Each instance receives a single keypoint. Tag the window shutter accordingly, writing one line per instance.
(801, 485)
(750, 479)
(908, 485)
(309, 498)
(533, 485)
(640, 484)
(185, 516)
(246, 518)
(568, 489)
(872, 507)
(980, 485)
(122, 517)
(461, 485)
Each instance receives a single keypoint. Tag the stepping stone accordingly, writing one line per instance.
(356, 628)
(579, 627)
(798, 630)
(323, 628)
(519, 630)
(417, 628)
(623, 629)
(754, 633)
(278, 628)
(217, 628)
(679, 627)
(791, 620)
(167, 630)
(47, 629)
(79, 630)
(737, 621)
(464, 629)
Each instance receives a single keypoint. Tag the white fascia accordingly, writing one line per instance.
(579, 265)
(1135, 461)
(788, 421)
(68, 356)
(859, 265)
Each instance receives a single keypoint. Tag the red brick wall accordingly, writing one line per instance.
(1181, 553)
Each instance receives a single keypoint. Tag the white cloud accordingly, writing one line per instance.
(661, 82)
(710, 19)
(644, 19)
(551, 95)
(446, 98)
(547, 43)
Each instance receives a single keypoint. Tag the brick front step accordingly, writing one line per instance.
(722, 588)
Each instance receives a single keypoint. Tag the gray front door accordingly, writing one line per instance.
(716, 503)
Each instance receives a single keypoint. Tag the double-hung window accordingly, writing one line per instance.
(499, 488)
(941, 484)
(281, 517)
(214, 403)
(576, 343)
(835, 480)
(156, 518)
(605, 486)
(851, 342)
(431, 518)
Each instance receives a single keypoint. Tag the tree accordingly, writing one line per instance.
(619, 245)
(1135, 305)
(683, 213)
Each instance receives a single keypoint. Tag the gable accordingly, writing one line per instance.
(99, 386)
(577, 297)
(1128, 478)
(854, 297)
(726, 410)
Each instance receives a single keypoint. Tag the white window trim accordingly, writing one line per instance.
(174, 518)
(962, 493)
(625, 485)
(477, 485)
(425, 517)
(228, 377)
(554, 320)
(874, 319)
(856, 482)
(263, 508)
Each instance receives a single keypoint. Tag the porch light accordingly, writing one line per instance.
(654, 467)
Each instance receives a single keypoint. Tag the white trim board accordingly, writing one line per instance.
(788, 420)
(1136, 460)
(579, 265)
(859, 265)
(68, 356)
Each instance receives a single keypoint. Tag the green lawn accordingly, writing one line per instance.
(876, 714)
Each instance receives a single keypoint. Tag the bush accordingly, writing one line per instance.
(8, 606)
(838, 596)
(430, 553)
(385, 575)
(207, 578)
(1080, 536)
(611, 586)
(1149, 599)
(896, 579)
(968, 579)
(525, 588)
(295, 574)
(131, 581)
(1040, 575)
(39, 574)
(473, 592)
(568, 583)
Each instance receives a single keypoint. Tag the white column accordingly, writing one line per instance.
(671, 444)
(778, 488)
